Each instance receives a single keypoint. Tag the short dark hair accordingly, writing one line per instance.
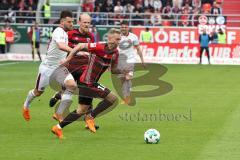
(65, 14)
(125, 23)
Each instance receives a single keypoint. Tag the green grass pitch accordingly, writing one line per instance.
(206, 99)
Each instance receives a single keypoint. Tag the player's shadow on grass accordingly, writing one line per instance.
(151, 78)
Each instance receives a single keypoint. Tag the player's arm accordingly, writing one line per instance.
(76, 49)
(139, 52)
(114, 68)
(62, 46)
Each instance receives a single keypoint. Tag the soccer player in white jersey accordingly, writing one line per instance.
(57, 51)
(129, 45)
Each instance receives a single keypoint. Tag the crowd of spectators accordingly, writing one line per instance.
(141, 12)
(9, 7)
(150, 12)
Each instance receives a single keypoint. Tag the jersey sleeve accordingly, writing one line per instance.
(59, 35)
(92, 47)
(97, 48)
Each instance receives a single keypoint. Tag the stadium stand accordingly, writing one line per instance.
(112, 12)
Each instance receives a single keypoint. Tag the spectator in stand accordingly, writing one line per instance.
(137, 17)
(187, 8)
(156, 18)
(2, 41)
(185, 18)
(99, 3)
(147, 17)
(14, 5)
(216, 9)
(32, 4)
(128, 8)
(97, 16)
(108, 7)
(148, 4)
(222, 37)
(157, 5)
(4, 5)
(175, 11)
(9, 36)
(88, 6)
(196, 3)
(30, 15)
(138, 8)
(177, 3)
(165, 2)
(46, 12)
(118, 8)
(195, 16)
(167, 11)
(189, 2)
(34, 36)
(138, 2)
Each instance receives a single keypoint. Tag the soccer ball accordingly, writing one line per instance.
(152, 136)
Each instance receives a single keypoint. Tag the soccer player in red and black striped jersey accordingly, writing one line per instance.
(102, 56)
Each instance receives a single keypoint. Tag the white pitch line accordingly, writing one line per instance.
(11, 63)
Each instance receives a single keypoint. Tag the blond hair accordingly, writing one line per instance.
(114, 31)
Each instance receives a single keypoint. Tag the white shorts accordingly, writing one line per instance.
(44, 74)
(59, 77)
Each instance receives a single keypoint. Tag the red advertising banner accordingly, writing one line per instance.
(181, 46)
(189, 53)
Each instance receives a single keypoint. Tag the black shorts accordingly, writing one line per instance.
(37, 44)
(87, 93)
(85, 100)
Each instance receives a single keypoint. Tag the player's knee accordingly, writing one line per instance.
(71, 85)
(128, 77)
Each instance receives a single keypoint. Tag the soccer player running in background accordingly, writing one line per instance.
(103, 55)
(56, 53)
(128, 46)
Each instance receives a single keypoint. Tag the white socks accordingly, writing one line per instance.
(29, 99)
